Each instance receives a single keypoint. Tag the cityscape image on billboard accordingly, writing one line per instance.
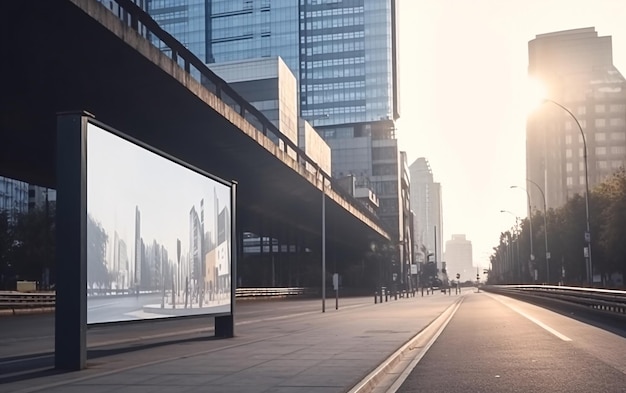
(158, 235)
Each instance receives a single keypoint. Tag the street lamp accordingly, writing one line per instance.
(545, 229)
(588, 232)
(530, 221)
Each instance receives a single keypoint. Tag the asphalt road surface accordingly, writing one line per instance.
(498, 344)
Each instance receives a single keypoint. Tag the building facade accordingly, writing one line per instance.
(576, 67)
(13, 197)
(458, 257)
(427, 206)
(267, 84)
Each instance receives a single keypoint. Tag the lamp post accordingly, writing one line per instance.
(589, 264)
(545, 229)
(530, 221)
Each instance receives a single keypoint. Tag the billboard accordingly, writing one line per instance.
(158, 234)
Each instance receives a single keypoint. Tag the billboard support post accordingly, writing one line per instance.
(71, 251)
(225, 325)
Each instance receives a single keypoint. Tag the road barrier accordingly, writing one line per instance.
(607, 301)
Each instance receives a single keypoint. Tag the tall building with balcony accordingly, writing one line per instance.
(576, 67)
(427, 206)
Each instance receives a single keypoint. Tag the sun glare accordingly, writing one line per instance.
(535, 94)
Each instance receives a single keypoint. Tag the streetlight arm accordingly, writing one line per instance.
(582, 133)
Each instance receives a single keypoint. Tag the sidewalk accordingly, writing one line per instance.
(307, 352)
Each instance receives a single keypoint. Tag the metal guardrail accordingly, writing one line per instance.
(603, 300)
(9, 300)
(21, 300)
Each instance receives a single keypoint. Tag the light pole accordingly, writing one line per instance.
(588, 232)
(545, 229)
(530, 221)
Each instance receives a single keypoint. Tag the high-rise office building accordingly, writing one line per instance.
(427, 207)
(576, 67)
(458, 257)
(344, 56)
(13, 197)
(349, 91)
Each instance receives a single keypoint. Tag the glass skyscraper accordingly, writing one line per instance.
(347, 61)
(13, 196)
(343, 52)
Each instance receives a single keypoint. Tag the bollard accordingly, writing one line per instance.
(422, 291)
(381, 295)
(386, 295)
(375, 297)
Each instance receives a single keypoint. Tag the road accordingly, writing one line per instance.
(481, 343)
(498, 344)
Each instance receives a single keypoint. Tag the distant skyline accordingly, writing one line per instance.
(164, 192)
(463, 90)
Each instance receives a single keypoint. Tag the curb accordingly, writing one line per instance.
(425, 337)
(25, 311)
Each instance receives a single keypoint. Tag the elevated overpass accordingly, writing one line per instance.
(75, 55)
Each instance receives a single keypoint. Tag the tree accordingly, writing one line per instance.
(97, 238)
(613, 224)
(33, 245)
(6, 246)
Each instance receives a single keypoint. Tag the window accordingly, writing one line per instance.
(600, 150)
(600, 136)
(600, 108)
(568, 167)
(600, 122)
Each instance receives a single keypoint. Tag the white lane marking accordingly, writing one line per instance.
(532, 319)
(407, 371)
(369, 383)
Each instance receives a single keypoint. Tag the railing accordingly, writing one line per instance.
(143, 24)
(20, 300)
(603, 300)
(270, 292)
(10, 300)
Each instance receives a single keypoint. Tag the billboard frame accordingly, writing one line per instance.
(71, 250)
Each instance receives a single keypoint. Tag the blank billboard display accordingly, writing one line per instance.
(158, 234)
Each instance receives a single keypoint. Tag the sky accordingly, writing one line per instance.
(464, 95)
